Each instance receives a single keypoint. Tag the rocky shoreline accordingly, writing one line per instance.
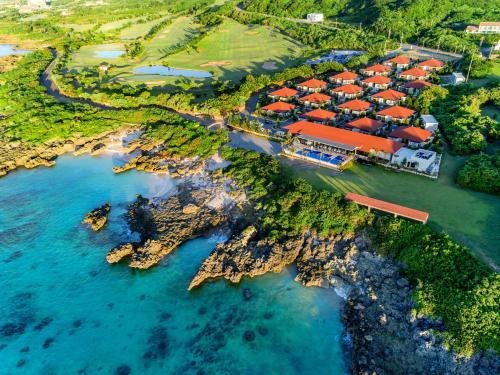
(97, 218)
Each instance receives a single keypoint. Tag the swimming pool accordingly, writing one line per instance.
(327, 158)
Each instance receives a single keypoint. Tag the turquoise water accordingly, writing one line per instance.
(64, 310)
(8, 49)
(108, 54)
(165, 71)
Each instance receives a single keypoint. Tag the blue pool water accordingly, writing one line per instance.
(64, 310)
(335, 160)
(108, 54)
(166, 71)
(8, 49)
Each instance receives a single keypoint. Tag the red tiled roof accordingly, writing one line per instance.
(415, 72)
(396, 112)
(315, 98)
(284, 92)
(399, 60)
(378, 68)
(389, 95)
(433, 63)
(366, 124)
(472, 28)
(388, 207)
(355, 105)
(364, 142)
(411, 133)
(417, 84)
(320, 114)
(345, 75)
(489, 23)
(313, 84)
(381, 80)
(279, 107)
(348, 89)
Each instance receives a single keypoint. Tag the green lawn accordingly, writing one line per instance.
(471, 217)
(139, 29)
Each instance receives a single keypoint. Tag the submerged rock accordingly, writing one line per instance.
(98, 217)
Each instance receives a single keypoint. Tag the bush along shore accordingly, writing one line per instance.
(415, 301)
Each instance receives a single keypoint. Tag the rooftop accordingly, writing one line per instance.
(320, 114)
(417, 84)
(366, 124)
(429, 119)
(489, 23)
(279, 107)
(411, 133)
(433, 63)
(415, 72)
(399, 60)
(348, 89)
(396, 112)
(313, 84)
(381, 80)
(389, 95)
(355, 105)
(345, 75)
(284, 92)
(388, 207)
(378, 68)
(315, 98)
(363, 142)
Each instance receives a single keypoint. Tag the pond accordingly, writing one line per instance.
(110, 54)
(166, 71)
(8, 49)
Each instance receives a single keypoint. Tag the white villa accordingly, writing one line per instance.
(422, 161)
(430, 123)
(315, 17)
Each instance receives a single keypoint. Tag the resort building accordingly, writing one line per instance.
(389, 97)
(413, 74)
(377, 82)
(344, 78)
(484, 28)
(312, 85)
(279, 108)
(430, 123)
(431, 65)
(334, 141)
(347, 91)
(315, 17)
(411, 135)
(399, 62)
(355, 107)
(414, 87)
(395, 113)
(421, 160)
(365, 125)
(284, 94)
(319, 115)
(315, 99)
(376, 70)
(457, 78)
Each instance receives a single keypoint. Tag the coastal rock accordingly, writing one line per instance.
(119, 252)
(98, 217)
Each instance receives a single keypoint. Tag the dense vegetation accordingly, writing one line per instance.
(481, 172)
(449, 281)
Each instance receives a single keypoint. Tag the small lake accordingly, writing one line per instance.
(165, 71)
(108, 54)
(9, 49)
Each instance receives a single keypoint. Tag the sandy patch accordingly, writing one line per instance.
(270, 65)
(217, 63)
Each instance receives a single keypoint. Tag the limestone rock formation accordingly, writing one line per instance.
(98, 217)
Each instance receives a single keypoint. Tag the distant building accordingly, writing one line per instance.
(284, 94)
(484, 28)
(279, 108)
(430, 123)
(32, 5)
(315, 17)
(411, 135)
(457, 78)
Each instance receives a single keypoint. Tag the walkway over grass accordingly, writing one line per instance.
(388, 207)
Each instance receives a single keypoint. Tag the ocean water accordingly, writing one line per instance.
(64, 310)
(166, 71)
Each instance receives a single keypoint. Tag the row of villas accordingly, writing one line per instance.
(319, 135)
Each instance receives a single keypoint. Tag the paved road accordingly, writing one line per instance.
(254, 143)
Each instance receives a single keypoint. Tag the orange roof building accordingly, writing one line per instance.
(284, 92)
(399, 61)
(312, 85)
(365, 124)
(431, 64)
(413, 73)
(279, 107)
(344, 77)
(320, 115)
(377, 82)
(416, 85)
(347, 90)
(355, 106)
(389, 97)
(388, 207)
(316, 98)
(411, 133)
(376, 70)
(344, 139)
(396, 112)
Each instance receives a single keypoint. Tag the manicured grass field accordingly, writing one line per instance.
(234, 50)
(139, 29)
(471, 217)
